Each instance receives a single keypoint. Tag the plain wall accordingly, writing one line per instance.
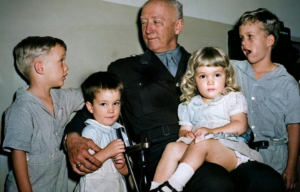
(96, 33)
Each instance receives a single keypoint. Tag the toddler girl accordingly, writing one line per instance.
(212, 116)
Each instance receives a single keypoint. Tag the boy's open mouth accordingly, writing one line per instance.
(247, 51)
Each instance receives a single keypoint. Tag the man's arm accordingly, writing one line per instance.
(77, 146)
(21, 170)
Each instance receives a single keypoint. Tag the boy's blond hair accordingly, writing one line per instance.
(270, 22)
(208, 57)
(31, 48)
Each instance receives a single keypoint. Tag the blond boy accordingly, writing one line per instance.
(35, 122)
(272, 94)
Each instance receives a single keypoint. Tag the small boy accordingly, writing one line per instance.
(272, 94)
(35, 122)
(102, 94)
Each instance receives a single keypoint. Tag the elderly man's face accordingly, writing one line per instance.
(160, 26)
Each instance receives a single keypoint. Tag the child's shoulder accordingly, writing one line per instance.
(69, 93)
(240, 63)
(23, 98)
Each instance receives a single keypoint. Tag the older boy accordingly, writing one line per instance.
(36, 120)
(272, 94)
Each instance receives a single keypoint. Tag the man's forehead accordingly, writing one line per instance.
(157, 9)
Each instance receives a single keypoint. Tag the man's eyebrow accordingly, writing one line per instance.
(154, 17)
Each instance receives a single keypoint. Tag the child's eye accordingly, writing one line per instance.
(102, 104)
(250, 36)
(202, 76)
(218, 75)
(117, 103)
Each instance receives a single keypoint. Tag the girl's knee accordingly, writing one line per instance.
(176, 148)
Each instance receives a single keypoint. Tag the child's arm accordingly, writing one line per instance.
(186, 131)
(112, 149)
(290, 171)
(20, 170)
(120, 164)
(238, 124)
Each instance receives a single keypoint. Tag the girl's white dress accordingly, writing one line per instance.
(107, 178)
(216, 114)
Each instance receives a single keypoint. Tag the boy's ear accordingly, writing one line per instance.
(89, 107)
(270, 40)
(38, 67)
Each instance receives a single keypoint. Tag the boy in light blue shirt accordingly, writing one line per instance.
(272, 94)
(35, 122)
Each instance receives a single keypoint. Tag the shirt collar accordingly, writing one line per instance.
(176, 55)
(104, 128)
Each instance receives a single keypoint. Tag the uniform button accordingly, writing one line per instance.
(252, 127)
(177, 84)
(254, 135)
(51, 155)
(140, 84)
(252, 98)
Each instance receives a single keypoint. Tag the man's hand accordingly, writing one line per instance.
(78, 154)
(115, 147)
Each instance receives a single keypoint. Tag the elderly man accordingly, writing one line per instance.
(151, 97)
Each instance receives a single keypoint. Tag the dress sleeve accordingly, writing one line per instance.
(184, 115)
(74, 99)
(236, 103)
(292, 97)
(90, 132)
(18, 129)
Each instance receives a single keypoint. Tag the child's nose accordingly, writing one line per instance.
(243, 41)
(66, 68)
(111, 109)
(210, 81)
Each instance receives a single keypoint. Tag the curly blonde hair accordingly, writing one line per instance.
(209, 57)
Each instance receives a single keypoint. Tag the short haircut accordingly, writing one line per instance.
(100, 81)
(208, 57)
(270, 22)
(176, 4)
(31, 48)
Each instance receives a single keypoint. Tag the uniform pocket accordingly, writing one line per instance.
(146, 96)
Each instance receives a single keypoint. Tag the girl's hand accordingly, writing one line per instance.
(200, 134)
(115, 147)
(291, 178)
(119, 161)
(189, 135)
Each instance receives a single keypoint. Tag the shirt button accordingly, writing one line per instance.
(51, 155)
(140, 84)
(254, 135)
(252, 127)
(252, 98)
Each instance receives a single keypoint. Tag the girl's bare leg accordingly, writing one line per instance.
(210, 150)
(169, 161)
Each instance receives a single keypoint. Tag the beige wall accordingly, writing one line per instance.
(96, 33)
